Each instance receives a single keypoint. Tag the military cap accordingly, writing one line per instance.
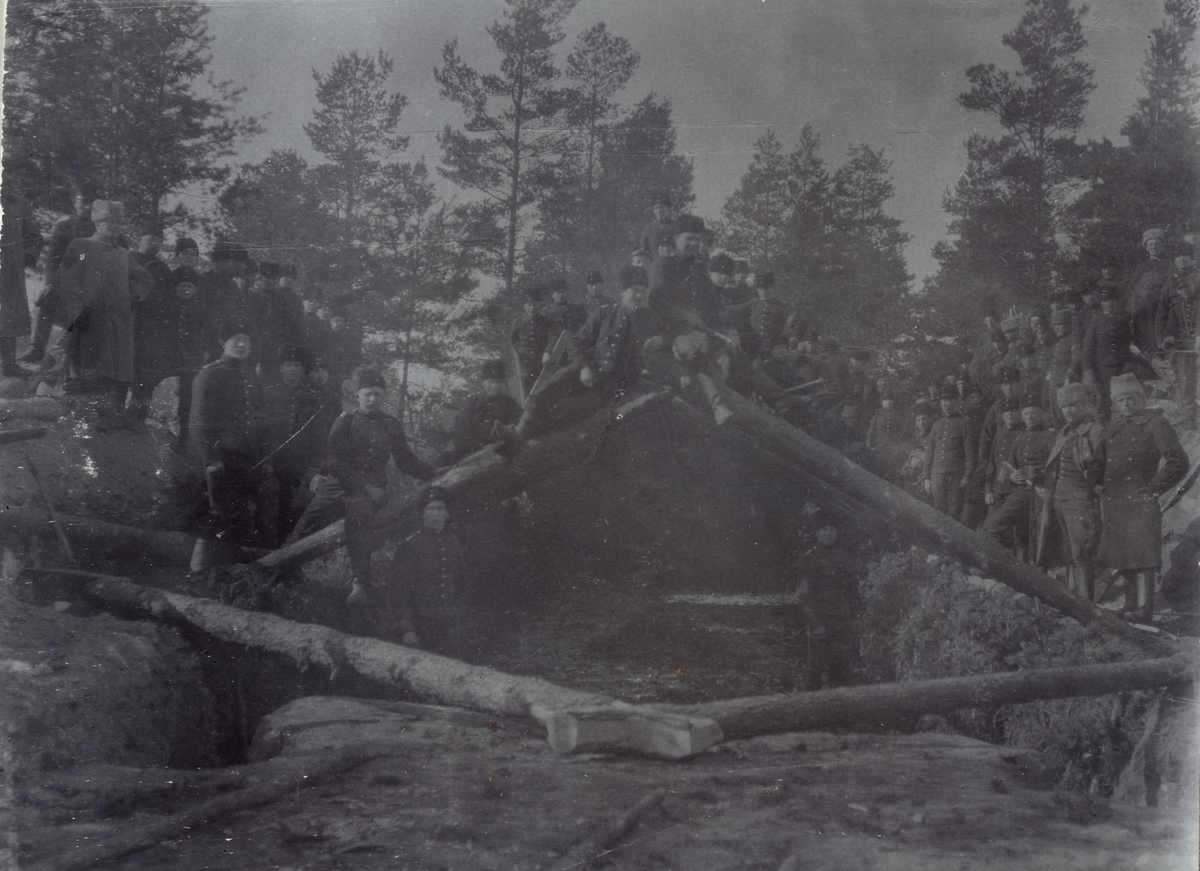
(1122, 385)
(722, 264)
(741, 267)
(493, 370)
(222, 250)
(1010, 403)
(1010, 324)
(1060, 316)
(1008, 375)
(558, 284)
(289, 353)
(149, 228)
(633, 276)
(1073, 392)
(689, 224)
(594, 277)
(186, 243)
(368, 377)
(339, 307)
(764, 279)
(1154, 233)
(107, 210)
(922, 406)
(231, 327)
(948, 391)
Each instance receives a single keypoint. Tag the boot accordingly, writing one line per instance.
(720, 409)
(8, 358)
(358, 592)
(39, 336)
(1143, 589)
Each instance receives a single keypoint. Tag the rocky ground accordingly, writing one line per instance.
(114, 725)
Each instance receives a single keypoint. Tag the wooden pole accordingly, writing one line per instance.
(482, 476)
(937, 530)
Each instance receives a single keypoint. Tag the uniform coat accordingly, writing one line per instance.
(1145, 296)
(476, 425)
(20, 245)
(103, 280)
(1141, 459)
(1072, 471)
(227, 413)
(427, 579)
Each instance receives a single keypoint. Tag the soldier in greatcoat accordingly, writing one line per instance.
(1064, 364)
(293, 440)
(1072, 473)
(952, 449)
(663, 220)
(1017, 467)
(226, 430)
(1141, 459)
(1106, 350)
(20, 244)
(1144, 293)
(98, 282)
(482, 418)
(529, 336)
(828, 591)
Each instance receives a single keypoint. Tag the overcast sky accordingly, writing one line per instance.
(887, 72)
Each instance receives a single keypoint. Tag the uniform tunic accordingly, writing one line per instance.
(1145, 296)
(226, 415)
(951, 447)
(427, 577)
(292, 433)
(1141, 458)
(1072, 471)
(829, 584)
(102, 280)
(476, 425)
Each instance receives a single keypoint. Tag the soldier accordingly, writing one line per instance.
(663, 220)
(20, 244)
(563, 317)
(593, 294)
(314, 331)
(226, 429)
(427, 581)
(345, 351)
(1178, 333)
(1106, 350)
(997, 486)
(481, 419)
(1017, 464)
(529, 336)
(1144, 293)
(828, 590)
(293, 440)
(768, 315)
(1072, 473)
(1141, 458)
(231, 299)
(952, 448)
(606, 354)
(360, 444)
(45, 313)
(1064, 364)
(888, 435)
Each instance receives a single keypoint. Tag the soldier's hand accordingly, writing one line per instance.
(1040, 492)
(1018, 476)
(409, 639)
(545, 358)
(927, 485)
(375, 494)
(587, 377)
(989, 498)
(966, 482)
(652, 344)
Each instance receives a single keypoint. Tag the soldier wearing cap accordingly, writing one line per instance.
(1179, 320)
(293, 438)
(481, 419)
(663, 219)
(1144, 293)
(606, 354)
(529, 336)
(45, 311)
(1017, 463)
(593, 290)
(226, 430)
(360, 444)
(1141, 459)
(232, 298)
(427, 582)
(1072, 473)
(828, 591)
(1064, 364)
(1106, 350)
(952, 449)
(563, 315)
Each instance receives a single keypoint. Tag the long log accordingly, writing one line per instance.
(885, 704)
(21, 435)
(485, 475)
(37, 408)
(928, 524)
(163, 548)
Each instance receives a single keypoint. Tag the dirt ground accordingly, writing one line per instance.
(84, 689)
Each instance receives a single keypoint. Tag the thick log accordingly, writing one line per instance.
(430, 676)
(936, 529)
(315, 772)
(21, 435)
(482, 476)
(37, 408)
(163, 548)
(885, 704)
(622, 727)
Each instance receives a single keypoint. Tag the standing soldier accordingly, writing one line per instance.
(481, 419)
(563, 317)
(1064, 363)
(1142, 459)
(529, 336)
(45, 313)
(951, 451)
(1020, 465)
(1178, 334)
(593, 291)
(1145, 291)
(1072, 474)
(20, 244)
(1106, 350)
(663, 220)
(828, 590)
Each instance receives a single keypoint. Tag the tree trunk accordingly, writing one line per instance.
(20, 435)
(37, 408)
(886, 704)
(481, 477)
(936, 529)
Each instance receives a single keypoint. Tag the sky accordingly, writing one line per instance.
(884, 72)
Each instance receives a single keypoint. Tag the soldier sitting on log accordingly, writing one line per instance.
(294, 442)
(426, 583)
(360, 444)
(828, 591)
(606, 355)
(482, 417)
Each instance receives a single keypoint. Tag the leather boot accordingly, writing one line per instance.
(39, 336)
(8, 358)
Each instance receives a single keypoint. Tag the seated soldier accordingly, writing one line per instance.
(828, 591)
(606, 354)
(293, 440)
(482, 417)
(225, 427)
(360, 444)
(426, 583)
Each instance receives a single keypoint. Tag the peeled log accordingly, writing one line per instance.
(37, 408)
(21, 435)
(896, 702)
(172, 549)
(927, 523)
(482, 476)
(430, 676)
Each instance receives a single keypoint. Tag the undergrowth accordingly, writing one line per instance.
(927, 618)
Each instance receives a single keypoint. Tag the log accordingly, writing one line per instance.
(896, 702)
(430, 676)
(622, 727)
(21, 435)
(164, 548)
(482, 476)
(926, 523)
(37, 408)
(150, 834)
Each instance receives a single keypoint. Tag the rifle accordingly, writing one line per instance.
(1043, 525)
(551, 364)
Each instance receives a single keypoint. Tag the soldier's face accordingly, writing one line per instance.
(310, 306)
(237, 347)
(1010, 417)
(337, 324)
(689, 243)
(188, 257)
(1073, 411)
(1031, 416)
(635, 297)
(827, 535)
(1060, 330)
(370, 399)
(82, 206)
(319, 377)
(662, 211)
(642, 260)
(1154, 247)
(1128, 404)
(436, 515)
(949, 407)
(493, 386)
(292, 373)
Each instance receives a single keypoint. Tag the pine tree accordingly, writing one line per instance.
(758, 214)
